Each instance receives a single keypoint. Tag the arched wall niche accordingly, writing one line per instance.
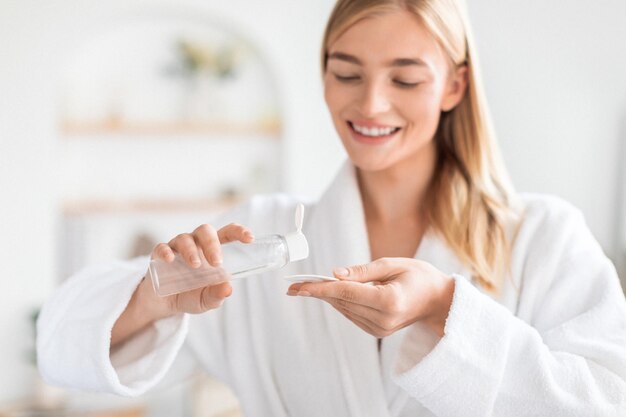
(166, 118)
(166, 71)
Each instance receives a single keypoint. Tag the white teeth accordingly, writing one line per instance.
(375, 131)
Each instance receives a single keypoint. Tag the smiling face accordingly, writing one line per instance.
(386, 82)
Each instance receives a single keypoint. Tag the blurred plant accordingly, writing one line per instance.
(46, 398)
(194, 57)
(142, 244)
(31, 354)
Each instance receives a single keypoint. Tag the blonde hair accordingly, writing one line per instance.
(472, 204)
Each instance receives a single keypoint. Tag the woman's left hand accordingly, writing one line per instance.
(405, 291)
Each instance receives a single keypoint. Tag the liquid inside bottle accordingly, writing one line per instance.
(239, 260)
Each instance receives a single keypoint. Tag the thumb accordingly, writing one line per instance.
(379, 270)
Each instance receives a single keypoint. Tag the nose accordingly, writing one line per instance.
(374, 99)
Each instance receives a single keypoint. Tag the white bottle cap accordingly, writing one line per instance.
(297, 244)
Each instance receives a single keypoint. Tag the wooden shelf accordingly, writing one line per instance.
(71, 130)
(35, 412)
(91, 207)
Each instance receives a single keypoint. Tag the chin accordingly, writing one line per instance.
(370, 163)
(371, 158)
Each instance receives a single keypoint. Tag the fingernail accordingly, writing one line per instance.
(341, 272)
(292, 292)
(195, 261)
(304, 294)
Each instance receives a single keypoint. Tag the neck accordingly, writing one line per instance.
(398, 193)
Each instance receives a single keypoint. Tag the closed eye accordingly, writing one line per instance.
(403, 84)
(347, 78)
(355, 78)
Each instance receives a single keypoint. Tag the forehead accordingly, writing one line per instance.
(392, 35)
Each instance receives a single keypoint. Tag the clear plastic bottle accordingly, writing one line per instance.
(240, 260)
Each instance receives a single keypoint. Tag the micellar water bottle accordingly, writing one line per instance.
(239, 260)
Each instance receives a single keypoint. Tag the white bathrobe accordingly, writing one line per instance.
(552, 344)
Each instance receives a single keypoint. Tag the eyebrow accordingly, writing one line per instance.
(398, 62)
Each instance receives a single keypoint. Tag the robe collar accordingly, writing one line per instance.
(338, 221)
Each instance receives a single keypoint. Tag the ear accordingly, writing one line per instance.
(455, 88)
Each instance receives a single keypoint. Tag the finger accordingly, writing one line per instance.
(223, 290)
(381, 269)
(360, 322)
(384, 323)
(365, 312)
(213, 297)
(375, 296)
(294, 288)
(207, 239)
(201, 299)
(364, 326)
(371, 326)
(186, 246)
(235, 231)
(163, 252)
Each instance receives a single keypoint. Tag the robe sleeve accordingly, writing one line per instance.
(74, 332)
(566, 358)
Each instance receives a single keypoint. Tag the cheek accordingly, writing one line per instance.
(335, 98)
(422, 111)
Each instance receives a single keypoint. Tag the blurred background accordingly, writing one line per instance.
(124, 123)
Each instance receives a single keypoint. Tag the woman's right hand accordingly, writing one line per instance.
(207, 239)
(146, 306)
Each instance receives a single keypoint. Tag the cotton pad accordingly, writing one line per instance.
(309, 278)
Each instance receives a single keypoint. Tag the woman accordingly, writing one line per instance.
(484, 303)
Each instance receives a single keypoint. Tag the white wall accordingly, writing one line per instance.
(554, 73)
(36, 39)
(27, 183)
(553, 70)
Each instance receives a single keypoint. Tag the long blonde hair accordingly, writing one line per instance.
(472, 204)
